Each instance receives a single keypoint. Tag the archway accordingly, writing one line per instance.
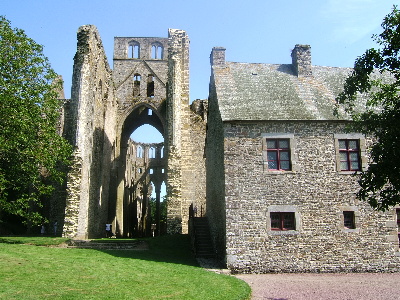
(142, 172)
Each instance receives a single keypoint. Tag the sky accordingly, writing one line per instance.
(259, 31)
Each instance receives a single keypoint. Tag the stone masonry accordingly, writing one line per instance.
(252, 104)
(149, 84)
(290, 207)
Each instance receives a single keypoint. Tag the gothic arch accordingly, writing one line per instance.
(134, 191)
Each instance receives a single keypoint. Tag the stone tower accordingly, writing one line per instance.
(109, 182)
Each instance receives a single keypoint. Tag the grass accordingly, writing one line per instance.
(167, 270)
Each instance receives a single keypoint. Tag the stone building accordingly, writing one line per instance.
(280, 165)
(264, 157)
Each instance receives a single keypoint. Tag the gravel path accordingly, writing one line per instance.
(324, 286)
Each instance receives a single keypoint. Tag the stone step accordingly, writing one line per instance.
(87, 244)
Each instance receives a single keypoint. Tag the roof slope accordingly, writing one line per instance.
(249, 91)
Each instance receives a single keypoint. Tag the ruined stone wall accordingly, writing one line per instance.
(215, 184)
(314, 190)
(140, 80)
(145, 165)
(185, 143)
(93, 136)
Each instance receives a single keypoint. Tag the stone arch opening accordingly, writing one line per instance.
(140, 176)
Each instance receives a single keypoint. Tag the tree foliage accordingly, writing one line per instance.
(377, 73)
(32, 152)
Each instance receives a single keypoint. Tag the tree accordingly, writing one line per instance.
(32, 153)
(377, 73)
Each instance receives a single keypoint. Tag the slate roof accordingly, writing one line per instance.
(250, 91)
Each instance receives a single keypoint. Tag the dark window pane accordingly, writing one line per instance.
(284, 155)
(353, 145)
(283, 221)
(272, 155)
(285, 165)
(343, 156)
(343, 166)
(348, 217)
(283, 144)
(355, 165)
(353, 156)
(271, 144)
(275, 220)
(272, 165)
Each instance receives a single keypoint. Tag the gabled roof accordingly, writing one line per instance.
(250, 91)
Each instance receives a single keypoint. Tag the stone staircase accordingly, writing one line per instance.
(112, 245)
(202, 242)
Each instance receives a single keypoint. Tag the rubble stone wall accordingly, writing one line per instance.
(93, 136)
(318, 194)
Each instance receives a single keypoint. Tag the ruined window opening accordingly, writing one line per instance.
(157, 51)
(349, 220)
(349, 152)
(133, 51)
(136, 85)
(283, 221)
(162, 170)
(162, 152)
(139, 152)
(152, 152)
(139, 170)
(150, 86)
(151, 171)
(149, 112)
(278, 154)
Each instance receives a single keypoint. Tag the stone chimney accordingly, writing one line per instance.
(301, 60)
(217, 57)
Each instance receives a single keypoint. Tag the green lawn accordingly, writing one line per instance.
(167, 270)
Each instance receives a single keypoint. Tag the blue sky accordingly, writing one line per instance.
(262, 31)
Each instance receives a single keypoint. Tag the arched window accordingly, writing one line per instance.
(152, 152)
(139, 152)
(136, 85)
(133, 50)
(150, 86)
(157, 51)
(162, 152)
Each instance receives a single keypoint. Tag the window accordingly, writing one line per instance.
(150, 86)
(152, 152)
(139, 152)
(349, 153)
(157, 51)
(133, 50)
(283, 221)
(278, 154)
(136, 85)
(348, 220)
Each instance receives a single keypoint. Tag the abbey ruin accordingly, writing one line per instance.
(263, 158)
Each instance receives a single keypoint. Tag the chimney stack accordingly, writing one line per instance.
(217, 57)
(301, 60)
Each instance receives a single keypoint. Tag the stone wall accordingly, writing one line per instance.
(93, 135)
(215, 179)
(185, 143)
(318, 194)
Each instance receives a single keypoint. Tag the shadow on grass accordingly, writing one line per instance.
(34, 240)
(169, 248)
